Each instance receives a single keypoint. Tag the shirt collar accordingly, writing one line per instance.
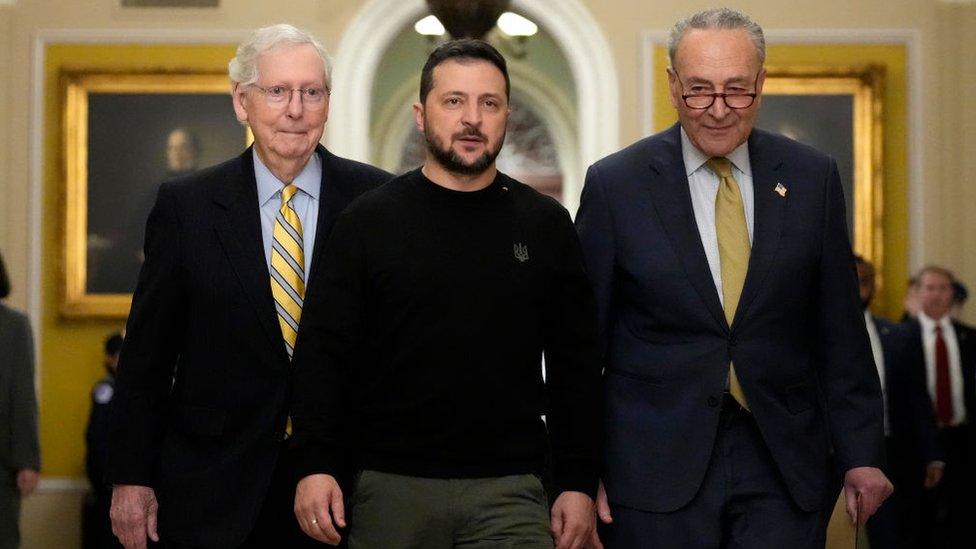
(928, 324)
(308, 181)
(695, 159)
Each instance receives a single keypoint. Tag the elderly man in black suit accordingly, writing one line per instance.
(204, 377)
(739, 383)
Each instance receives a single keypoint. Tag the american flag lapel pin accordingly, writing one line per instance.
(780, 189)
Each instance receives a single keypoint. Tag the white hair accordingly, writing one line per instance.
(243, 68)
(717, 18)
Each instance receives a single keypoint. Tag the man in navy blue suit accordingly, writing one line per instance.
(739, 381)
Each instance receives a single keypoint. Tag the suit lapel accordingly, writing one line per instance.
(770, 207)
(239, 230)
(330, 203)
(672, 201)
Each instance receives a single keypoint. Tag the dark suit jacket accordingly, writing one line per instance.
(204, 378)
(798, 338)
(18, 416)
(966, 338)
(19, 448)
(910, 417)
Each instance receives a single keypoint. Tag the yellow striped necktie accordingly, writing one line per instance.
(288, 268)
(733, 250)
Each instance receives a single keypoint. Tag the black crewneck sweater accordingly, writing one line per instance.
(423, 333)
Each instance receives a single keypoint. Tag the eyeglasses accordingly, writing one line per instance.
(312, 98)
(702, 101)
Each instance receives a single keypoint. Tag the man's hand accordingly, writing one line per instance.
(871, 485)
(572, 520)
(603, 513)
(133, 515)
(27, 481)
(319, 508)
(933, 474)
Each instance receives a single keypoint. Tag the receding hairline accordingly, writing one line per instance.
(717, 19)
(242, 68)
(936, 270)
(678, 49)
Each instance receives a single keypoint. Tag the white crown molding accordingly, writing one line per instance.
(910, 38)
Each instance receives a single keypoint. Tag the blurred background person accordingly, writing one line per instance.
(950, 367)
(97, 525)
(915, 461)
(20, 456)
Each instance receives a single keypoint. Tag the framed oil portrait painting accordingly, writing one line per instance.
(124, 134)
(838, 111)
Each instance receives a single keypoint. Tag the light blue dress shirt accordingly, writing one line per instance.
(305, 202)
(703, 184)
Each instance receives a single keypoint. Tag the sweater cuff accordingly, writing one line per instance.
(576, 477)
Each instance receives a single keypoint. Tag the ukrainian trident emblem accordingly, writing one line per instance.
(521, 252)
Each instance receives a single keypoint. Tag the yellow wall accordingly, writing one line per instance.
(895, 141)
(71, 350)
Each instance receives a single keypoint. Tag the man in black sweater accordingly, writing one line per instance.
(419, 362)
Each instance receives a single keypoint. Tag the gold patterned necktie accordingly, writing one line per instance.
(288, 268)
(733, 250)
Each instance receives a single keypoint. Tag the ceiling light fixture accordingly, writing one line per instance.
(429, 26)
(514, 24)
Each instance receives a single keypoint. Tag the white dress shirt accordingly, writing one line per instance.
(955, 363)
(703, 183)
(879, 362)
(305, 202)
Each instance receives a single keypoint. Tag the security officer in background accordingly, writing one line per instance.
(98, 527)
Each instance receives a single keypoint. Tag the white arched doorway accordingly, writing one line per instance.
(580, 39)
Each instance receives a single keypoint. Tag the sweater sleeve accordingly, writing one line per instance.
(331, 330)
(572, 368)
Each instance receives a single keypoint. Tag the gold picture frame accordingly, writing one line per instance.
(863, 88)
(111, 130)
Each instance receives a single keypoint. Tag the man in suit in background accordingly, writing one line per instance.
(915, 462)
(20, 455)
(739, 382)
(201, 403)
(950, 377)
